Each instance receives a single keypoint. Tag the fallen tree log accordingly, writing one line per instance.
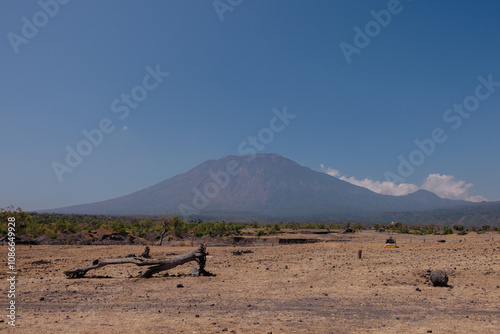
(199, 255)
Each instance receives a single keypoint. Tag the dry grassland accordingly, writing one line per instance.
(309, 288)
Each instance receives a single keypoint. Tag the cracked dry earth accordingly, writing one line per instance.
(301, 288)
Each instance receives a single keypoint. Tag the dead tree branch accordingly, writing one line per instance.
(198, 255)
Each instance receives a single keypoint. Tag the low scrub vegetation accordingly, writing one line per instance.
(53, 225)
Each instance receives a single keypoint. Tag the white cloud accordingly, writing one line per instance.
(125, 128)
(445, 186)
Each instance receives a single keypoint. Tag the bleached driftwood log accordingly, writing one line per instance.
(199, 255)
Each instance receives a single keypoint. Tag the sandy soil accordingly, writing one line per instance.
(309, 288)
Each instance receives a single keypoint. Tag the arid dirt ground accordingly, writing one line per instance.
(306, 288)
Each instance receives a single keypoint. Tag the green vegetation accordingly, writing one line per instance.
(64, 225)
(447, 230)
(23, 220)
(261, 233)
(53, 225)
(418, 229)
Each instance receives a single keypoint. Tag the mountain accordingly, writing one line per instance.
(485, 213)
(263, 186)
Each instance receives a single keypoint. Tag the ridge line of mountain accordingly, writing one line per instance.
(260, 185)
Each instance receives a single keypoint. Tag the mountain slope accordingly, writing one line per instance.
(485, 213)
(265, 185)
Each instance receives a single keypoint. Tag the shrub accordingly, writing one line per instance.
(404, 229)
(261, 233)
(447, 230)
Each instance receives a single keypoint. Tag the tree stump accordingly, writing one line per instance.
(145, 254)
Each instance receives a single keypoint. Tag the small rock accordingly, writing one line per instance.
(42, 298)
(417, 289)
(180, 285)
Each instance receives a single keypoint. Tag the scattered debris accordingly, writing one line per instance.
(241, 252)
(426, 274)
(196, 272)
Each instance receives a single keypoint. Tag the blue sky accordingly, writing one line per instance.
(353, 119)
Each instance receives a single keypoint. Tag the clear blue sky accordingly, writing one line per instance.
(225, 78)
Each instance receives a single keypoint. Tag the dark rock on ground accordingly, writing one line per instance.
(439, 278)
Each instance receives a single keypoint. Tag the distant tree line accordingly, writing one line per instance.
(424, 229)
(51, 224)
